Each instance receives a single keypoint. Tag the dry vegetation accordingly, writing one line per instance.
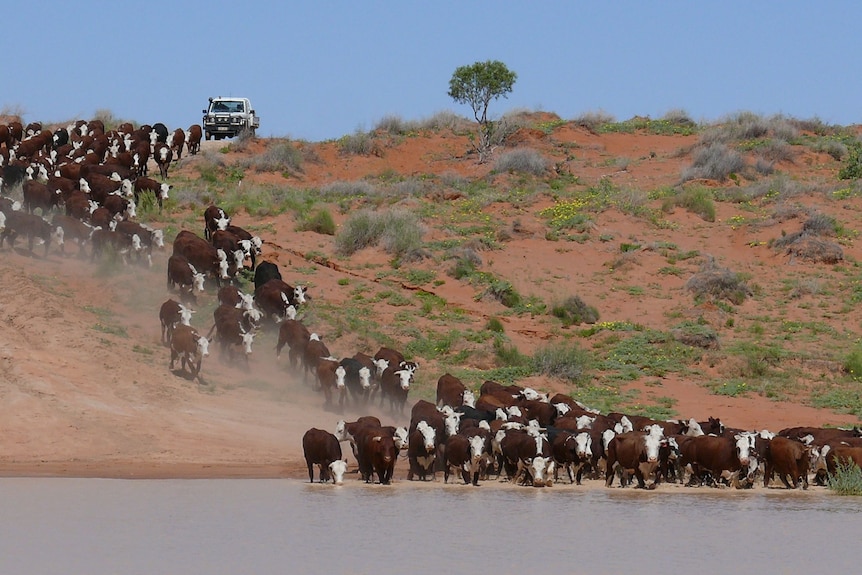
(655, 266)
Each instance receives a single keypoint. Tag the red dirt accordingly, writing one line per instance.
(85, 388)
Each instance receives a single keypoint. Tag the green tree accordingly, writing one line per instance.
(477, 85)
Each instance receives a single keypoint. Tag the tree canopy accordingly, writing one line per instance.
(479, 83)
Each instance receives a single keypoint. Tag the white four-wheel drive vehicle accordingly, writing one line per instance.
(229, 117)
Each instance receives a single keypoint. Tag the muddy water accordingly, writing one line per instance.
(71, 526)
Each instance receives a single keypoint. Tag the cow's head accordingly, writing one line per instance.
(429, 436)
(693, 428)
(744, 447)
(341, 431)
(364, 377)
(562, 409)
(223, 222)
(247, 338)
(583, 445)
(340, 372)
(299, 294)
(222, 264)
(186, 315)
(337, 469)
(405, 376)
(540, 469)
(197, 280)
(585, 422)
(652, 443)
(451, 423)
(163, 191)
(400, 438)
(477, 449)
(131, 209)
(468, 398)
(290, 312)
(127, 189)
(257, 244)
(238, 257)
(203, 346)
(159, 238)
(254, 316)
(381, 365)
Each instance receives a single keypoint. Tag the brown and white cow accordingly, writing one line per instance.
(322, 448)
(789, 459)
(172, 314)
(189, 347)
(464, 454)
(422, 451)
(637, 451)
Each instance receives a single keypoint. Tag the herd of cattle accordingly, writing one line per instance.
(519, 435)
(86, 183)
(89, 181)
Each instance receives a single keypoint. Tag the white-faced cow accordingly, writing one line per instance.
(190, 348)
(321, 448)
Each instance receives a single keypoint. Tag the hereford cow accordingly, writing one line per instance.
(73, 230)
(215, 218)
(275, 297)
(330, 377)
(395, 385)
(720, 457)
(314, 351)
(189, 347)
(204, 257)
(638, 451)
(193, 140)
(527, 455)
(464, 454)
(233, 327)
(421, 451)
(376, 453)
(294, 334)
(572, 451)
(144, 185)
(321, 448)
(450, 391)
(788, 458)
(172, 314)
(184, 276)
(30, 226)
(357, 378)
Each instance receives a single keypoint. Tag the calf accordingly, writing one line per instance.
(190, 348)
(176, 141)
(172, 314)
(150, 237)
(163, 155)
(321, 448)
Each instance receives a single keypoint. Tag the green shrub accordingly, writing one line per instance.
(279, 157)
(592, 121)
(573, 311)
(566, 361)
(853, 364)
(504, 292)
(398, 231)
(523, 161)
(852, 168)
(495, 325)
(714, 162)
(847, 479)
(358, 144)
(508, 354)
(319, 221)
(718, 284)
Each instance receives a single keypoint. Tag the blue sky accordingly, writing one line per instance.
(320, 70)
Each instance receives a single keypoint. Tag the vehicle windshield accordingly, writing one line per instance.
(227, 107)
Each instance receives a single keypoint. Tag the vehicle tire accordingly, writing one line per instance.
(208, 136)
